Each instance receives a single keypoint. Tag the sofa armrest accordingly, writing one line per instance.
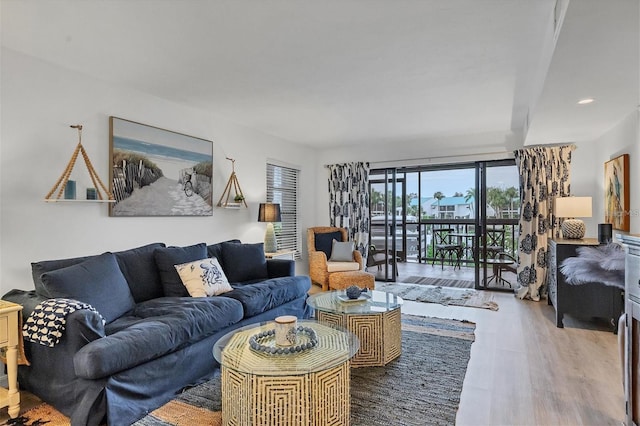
(281, 268)
(27, 299)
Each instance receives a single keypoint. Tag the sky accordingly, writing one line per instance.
(460, 180)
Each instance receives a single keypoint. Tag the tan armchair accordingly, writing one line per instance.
(319, 266)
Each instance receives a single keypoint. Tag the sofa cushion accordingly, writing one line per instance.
(341, 251)
(39, 268)
(260, 297)
(167, 257)
(324, 241)
(203, 277)
(215, 250)
(97, 281)
(165, 325)
(244, 262)
(139, 269)
(137, 266)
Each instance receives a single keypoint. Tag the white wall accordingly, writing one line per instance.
(39, 102)
(621, 139)
(419, 152)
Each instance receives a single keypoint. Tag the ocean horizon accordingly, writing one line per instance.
(155, 150)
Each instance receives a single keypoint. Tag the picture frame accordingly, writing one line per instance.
(616, 192)
(158, 172)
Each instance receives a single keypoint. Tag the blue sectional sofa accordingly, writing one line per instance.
(146, 338)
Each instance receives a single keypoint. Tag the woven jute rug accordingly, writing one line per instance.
(466, 297)
(421, 387)
(442, 282)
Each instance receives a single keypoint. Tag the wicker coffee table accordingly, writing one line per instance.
(375, 320)
(305, 388)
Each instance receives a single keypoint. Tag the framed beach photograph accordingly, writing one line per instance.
(157, 172)
(616, 192)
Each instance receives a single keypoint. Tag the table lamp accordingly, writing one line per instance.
(269, 213)
(570, 208)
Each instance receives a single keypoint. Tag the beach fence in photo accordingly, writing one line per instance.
(129, 175)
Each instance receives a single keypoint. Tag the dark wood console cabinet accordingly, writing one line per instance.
(589, 300)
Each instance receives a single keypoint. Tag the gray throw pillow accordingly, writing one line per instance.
(342, 252)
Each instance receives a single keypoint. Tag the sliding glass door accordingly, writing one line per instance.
(470, 208)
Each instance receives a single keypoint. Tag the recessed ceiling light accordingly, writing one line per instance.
(585, 101)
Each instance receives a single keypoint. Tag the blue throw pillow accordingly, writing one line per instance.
(168, 257)
(97, 281)
(244, 262)
(324, 242)
(139, 268)
(39, 268)
(215, 250)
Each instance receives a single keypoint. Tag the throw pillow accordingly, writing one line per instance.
(324, 241)
(139, 269)
(203, 278)
(342, 252)
(244, 262)
(39, 268)
(215, 250)
(97, 281)
(167, 257)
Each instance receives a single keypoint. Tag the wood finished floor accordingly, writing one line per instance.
(525, 371)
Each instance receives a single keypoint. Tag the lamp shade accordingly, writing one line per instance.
(573, 207)
(269, 212)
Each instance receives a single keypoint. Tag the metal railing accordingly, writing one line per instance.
(463, 232)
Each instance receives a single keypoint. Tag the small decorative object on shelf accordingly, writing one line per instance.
(232, 184)
(265, 342)
(68, 187)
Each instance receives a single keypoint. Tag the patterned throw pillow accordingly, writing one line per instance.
(203, 278)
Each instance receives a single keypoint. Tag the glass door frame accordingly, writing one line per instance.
(390, 181)
(482, 222)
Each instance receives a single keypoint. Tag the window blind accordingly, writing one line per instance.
(282, 188)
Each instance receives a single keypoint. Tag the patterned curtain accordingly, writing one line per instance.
(349, 201)
(544, 175)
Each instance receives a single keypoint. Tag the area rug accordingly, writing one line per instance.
(442, 282)
(421, 387)
(469, 298)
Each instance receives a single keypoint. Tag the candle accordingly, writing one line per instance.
(286, 330)
(91, 194)
(70, 190)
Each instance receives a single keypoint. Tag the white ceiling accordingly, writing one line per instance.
(337, 72)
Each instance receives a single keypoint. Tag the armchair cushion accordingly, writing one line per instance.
(341, 251)
(244, 262)
(324, 241)
(97, 281)
(342, 266)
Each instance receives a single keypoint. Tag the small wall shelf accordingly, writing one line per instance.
(64, 178)
(226, 200)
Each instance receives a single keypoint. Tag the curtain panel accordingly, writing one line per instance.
(544, 175)
(349, 201)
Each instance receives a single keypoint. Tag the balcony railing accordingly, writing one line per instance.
(415, 242)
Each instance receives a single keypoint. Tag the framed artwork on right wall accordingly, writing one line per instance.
(616, 192)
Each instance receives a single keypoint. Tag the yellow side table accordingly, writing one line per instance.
(9, 338)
